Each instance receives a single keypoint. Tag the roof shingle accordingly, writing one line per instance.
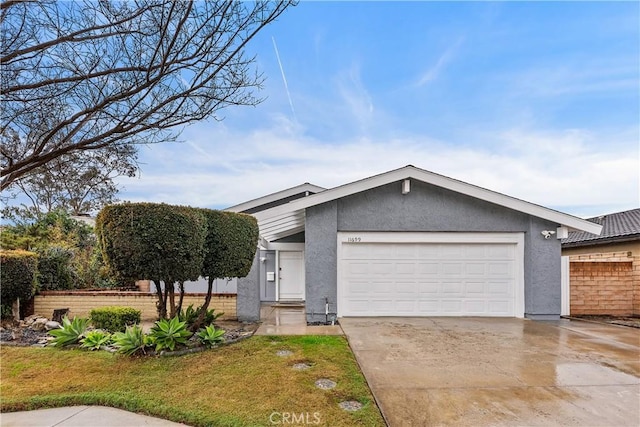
(619, 226)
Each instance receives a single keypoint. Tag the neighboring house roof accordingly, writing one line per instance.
(289, 218)
(616, 227)
(255, 204)
(86, 219)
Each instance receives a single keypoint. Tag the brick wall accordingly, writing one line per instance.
(605, 283)
(80, 303)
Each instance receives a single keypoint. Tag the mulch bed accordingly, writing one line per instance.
(12, 333)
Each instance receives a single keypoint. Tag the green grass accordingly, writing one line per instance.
(237, 385)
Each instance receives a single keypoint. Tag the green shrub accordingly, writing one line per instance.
(94, 340)
(17, 275)
(70, 333)
(54, 268)
(6, 311)
(166, 334)
(132, 341)
(114, 319)
(210, 336)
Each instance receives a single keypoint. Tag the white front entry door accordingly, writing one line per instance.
(291, 275)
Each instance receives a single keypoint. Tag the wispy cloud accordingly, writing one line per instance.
(355, 96)
(552, 168)
(434, 71)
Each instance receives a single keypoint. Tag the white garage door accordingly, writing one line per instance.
(430, 274)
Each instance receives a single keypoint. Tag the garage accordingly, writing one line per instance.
(430, 274)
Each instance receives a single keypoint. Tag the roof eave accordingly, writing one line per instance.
(411, 172)
(602, 241)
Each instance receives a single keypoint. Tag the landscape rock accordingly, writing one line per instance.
(39, 324)
(30, 319)
(50, 325)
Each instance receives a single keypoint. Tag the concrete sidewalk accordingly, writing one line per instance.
(80, 416)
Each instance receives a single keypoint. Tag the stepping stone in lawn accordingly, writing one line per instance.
(284, 353)
(301, 366)
(351, 405)
(325, 384)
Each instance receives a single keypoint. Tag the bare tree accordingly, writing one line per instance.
(119, 72)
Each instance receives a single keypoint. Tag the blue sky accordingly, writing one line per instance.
(539, 100)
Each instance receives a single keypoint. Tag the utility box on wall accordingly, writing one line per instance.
(271, 276)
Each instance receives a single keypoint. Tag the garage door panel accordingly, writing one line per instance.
(452, 268)
(428, 279)
(428, 268)
(451, 306)
(475, 306)
(429, 287)
(405, 268)
(452, 287)
(500, 288)
(405, 306)
(471, 288)
(406, 288)
(498, 307)
(501, 251)
(475, 269)
(358, 268)
(500, 269)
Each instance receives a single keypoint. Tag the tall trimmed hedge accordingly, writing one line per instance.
(153, 241)
(230, 246)
(231, 243)
(18, 271)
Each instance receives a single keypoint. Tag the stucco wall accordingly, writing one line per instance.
(248, 302)
(427, 208)
(320, 259)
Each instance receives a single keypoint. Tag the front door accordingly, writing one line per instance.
(291, 275)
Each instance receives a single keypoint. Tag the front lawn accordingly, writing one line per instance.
(238, 385)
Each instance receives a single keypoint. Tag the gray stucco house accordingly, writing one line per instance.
(407, 242)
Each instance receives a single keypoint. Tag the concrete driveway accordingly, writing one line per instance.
(488, 371)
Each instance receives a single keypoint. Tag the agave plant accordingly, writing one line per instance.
(210, 336)
(166, 334)
(131, 341)
(95, 339)
(190, 315)
(71, 332)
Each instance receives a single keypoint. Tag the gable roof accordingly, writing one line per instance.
(274, 197)
(288, 219)
(616, 227)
